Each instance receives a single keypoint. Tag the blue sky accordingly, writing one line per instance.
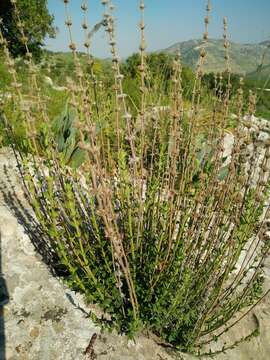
(168, 21)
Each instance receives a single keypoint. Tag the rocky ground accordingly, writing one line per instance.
(44, 320)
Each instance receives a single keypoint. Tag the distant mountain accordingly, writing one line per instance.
(266, 43)
(261, 73)
(245, 58)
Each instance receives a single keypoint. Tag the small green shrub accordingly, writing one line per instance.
(151, 227)
(67, 138)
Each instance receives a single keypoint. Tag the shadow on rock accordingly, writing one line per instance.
(4, 299)
(21, 209)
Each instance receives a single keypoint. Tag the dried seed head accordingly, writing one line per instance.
(68, 22)
(142, 6)
(24, 39)
(203, 53)
(142, 25)
(72, 46)
(141, 68)
(84, 26)
(242, 180)
(143, 45)
(205, 36)
(259, 197)
(248, 140)
(115, 60)
(248, 124)
(239, 197)
(84, 7)
(226, 44)
(262, 182)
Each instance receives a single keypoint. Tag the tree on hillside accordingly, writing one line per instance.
(158, 64)
(37, 24)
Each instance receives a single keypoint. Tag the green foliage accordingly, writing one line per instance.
(13, 132)
(37, 24)
(54, 100)
(212, 81)
(5, 77)
(67, 138)
(158, 64)
(159, 75)
(257, 82)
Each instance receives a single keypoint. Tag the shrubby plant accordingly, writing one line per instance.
(34, 18)
(157, 226)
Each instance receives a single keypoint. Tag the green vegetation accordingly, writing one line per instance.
(258, 82)
(131, 188)
(159, 75)
(67, 139)
(34, 25)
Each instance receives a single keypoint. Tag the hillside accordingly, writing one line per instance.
(245, 58)
(262, 73)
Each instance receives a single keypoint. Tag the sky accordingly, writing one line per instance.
(167, 22)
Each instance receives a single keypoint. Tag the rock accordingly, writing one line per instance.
(263, 137)
(227, 145)
(49, 82)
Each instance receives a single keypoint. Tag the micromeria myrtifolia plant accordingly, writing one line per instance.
(157, 226)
